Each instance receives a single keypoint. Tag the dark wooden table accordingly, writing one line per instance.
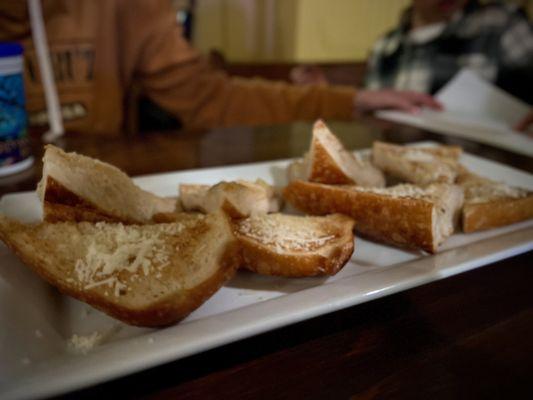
(468, 336)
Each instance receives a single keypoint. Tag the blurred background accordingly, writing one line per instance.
(271, 39)
(268, 37)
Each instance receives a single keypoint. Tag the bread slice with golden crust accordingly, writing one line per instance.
(146, 275)
(329, 162)
(403, 215)
(490, 204)
(239, 198)
(79, 188)
(419, 165)
(192, 196)
(295, 246)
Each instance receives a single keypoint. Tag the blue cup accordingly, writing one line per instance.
(15, 154)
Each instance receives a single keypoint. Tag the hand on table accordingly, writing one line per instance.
(411, 102)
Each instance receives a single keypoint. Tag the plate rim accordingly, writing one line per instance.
(37, 384)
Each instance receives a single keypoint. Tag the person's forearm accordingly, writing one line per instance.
(203, 98)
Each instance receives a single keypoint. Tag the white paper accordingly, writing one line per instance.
(474, 109)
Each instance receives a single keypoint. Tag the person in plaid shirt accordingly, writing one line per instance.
(436, 38)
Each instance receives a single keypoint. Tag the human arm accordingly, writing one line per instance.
(179, 79)
(176, 77)
(407, 101)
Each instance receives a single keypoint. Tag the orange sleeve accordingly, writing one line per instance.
(179, 79)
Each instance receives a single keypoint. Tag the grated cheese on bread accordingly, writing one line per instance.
(404, 215)
(295, 246)
(490, 204)
(419, 165)
(147, 275)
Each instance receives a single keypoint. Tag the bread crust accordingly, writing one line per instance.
(60, 204)
(492, 207)
(96, 190)
(496, 213)
(329, 162)
(164, 312)
(265, 260)
(175, 308)
(324, 169)
(405, 222)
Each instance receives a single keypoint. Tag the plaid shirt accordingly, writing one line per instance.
(495, 40)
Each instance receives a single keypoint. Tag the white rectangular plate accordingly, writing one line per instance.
(482, 131)
(37, 322)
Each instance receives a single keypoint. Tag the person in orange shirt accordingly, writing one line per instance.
(100, 48)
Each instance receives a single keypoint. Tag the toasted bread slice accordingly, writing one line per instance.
(329, 162)
(146, 275)
(239, 199)
(295, 246)
(490, 204)
(79, 188)
(403, 215)
(192, 196)
(419, 165)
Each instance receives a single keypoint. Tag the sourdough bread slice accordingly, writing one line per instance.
(79, 188)
(490, 204)
(404, 215)
(146, 275)
(419, 165)
(295, 246)
(239, 198)
(329, 162)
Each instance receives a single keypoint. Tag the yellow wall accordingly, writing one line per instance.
(296, 30)
(339, 30)
(293, 30)
(208, 25)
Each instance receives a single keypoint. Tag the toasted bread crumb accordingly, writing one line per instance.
(82, 344)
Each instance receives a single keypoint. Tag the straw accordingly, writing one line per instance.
(43, 58)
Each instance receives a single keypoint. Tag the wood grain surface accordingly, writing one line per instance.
(464, 337)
